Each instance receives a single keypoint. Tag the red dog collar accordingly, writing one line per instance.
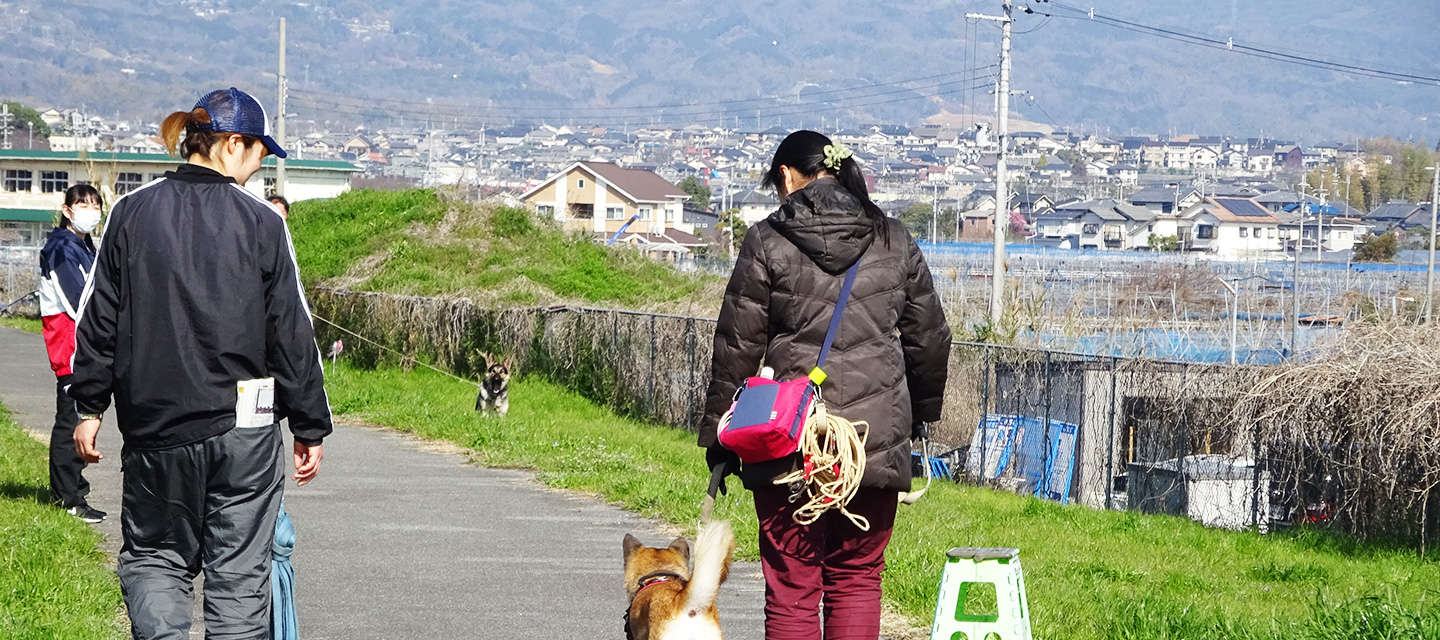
(652, 579)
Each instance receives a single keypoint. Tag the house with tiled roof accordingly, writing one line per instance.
(1095, 224)
(1230, 227)
(755, 205)
(602, 197)
(1399, 214)
(1165, 199)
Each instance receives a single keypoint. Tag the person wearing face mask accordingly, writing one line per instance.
(65, 262)
(195, 323)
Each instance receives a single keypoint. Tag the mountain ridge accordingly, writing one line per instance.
(493, 62)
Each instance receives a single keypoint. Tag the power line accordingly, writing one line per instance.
(646, 119)
(340, 105)
(1035, 101)
(778, 97)
(716, 117)
(1229, 44)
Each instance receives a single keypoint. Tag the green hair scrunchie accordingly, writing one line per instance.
(835, 154)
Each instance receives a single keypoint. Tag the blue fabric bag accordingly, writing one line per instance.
(282, 580)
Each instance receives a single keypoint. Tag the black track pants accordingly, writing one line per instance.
(68, 487)
(207, 506)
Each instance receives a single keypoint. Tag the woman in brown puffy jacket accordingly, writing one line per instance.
(887, 367)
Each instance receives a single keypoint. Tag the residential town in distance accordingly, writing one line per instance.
(1228, 197)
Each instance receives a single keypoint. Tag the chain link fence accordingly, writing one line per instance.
(19, 276)
(1349, 444)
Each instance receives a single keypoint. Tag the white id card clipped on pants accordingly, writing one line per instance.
(255, 403)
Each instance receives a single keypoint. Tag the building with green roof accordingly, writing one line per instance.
(37, 180)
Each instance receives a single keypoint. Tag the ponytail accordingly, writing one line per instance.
(199, 138)
(852, 179)
(190, 123)
(804, 151)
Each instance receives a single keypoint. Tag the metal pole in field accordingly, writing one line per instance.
(1110, 443)
(1430, 271)
(1002, 194)
(1234, 316)
(280, 118)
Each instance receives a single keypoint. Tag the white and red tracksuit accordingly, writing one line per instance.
(65, 263)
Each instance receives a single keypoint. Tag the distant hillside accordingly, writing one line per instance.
(141, 58)
(414, 242)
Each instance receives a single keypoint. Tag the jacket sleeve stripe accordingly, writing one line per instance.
(300, 289)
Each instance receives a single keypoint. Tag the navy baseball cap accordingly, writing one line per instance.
(234, 111)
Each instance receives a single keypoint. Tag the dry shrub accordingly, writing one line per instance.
(1353, 433)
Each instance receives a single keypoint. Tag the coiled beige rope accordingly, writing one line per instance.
(834, 453)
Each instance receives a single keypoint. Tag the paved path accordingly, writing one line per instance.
(400, 540)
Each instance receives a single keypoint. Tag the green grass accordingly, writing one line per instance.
(31, 325)
(53, 578)
(475, 249)
(332, 235)
(1090, 574)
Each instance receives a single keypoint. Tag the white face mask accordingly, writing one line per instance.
(84, 219)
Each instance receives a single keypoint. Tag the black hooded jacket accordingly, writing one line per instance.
(889, 360)
(195, 289)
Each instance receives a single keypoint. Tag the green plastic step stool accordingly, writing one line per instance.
(967, 566)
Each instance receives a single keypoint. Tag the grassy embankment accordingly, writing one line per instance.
(1090, 574)
(418, 243)
(53, 578)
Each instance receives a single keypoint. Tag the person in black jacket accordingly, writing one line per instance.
(887, 367)
(195, 321)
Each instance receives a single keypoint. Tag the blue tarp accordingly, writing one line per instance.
(1044, 468)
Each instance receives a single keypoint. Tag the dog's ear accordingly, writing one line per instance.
(630, 544)
(509, 364)
(681, 547)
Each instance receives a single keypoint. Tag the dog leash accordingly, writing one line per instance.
(403, 357)
(717, 476)
(911, 497)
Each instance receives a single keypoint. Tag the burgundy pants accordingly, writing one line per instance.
(830, 560)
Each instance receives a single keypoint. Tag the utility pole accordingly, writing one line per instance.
(1002, 195)
(280, 118)
(1295, 279)
(1430, 272)
(934, 214)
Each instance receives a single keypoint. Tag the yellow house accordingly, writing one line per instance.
(601, 197)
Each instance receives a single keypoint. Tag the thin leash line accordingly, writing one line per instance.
(402, 356)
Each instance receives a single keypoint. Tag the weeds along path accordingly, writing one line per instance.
(401, 539)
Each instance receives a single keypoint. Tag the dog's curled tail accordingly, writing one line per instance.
(713, 547)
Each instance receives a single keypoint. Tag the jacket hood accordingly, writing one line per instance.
(826, 223)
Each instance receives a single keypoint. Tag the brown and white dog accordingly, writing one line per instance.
(495, 387)
(668, 601)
